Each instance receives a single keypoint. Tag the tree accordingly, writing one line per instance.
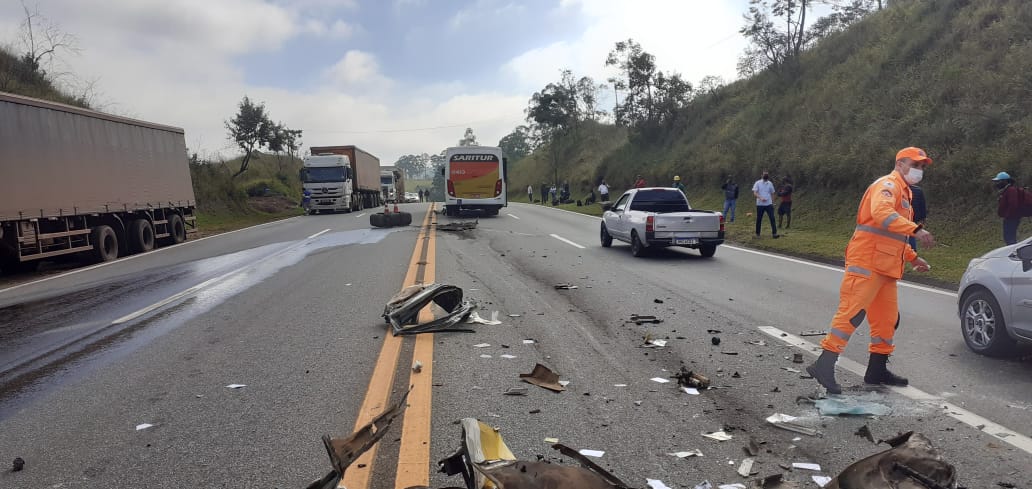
(412, 165)
(250, 129)
(518, 143)
(469, 139)
(639, 70)
(43, 40)
(284, 140)
(771, 45)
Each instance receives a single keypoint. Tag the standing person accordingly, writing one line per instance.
(564, 195)
(875, 258)
(530, 193)
(603, 191)
(785, 209)
(677, 183)
(920, 210)
(639, 182)
(551, 194)
(420, 192)
(306, 199)
(730, 189)
(1009, 207)
(763, 189)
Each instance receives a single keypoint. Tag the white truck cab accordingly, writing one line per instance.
(328, 178)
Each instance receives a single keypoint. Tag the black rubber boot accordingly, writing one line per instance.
(878, 373)
(823, 371)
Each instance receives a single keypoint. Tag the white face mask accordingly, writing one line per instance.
(914, 176)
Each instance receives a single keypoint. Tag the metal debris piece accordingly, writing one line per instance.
(516, 391)
(458, 225)
(806, 466)
(143, 426)
(745, 469)
(644, 319)
(718, 435)
(787, 422)
(753, 448)
(543, 376)
(757, 343)
(865, 432)
(769, 481)
(814, 332)
(656, 484)
(475, 318)
(690, 453)
(687, 378)
(18, 465)
(912, 463)
(344, 451)
(565, 287)
(588, 464)
(790, 369)
(797, 358)
(821, 480)
(402, 311)
(654, 343)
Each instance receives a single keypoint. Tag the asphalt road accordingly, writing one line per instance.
(292, 310)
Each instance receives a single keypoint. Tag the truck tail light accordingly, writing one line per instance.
(451, 188)
(721, 223)
(498, 188)
(650, 224)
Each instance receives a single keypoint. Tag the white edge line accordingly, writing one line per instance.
(324, 231)
(149, 253)
(514, 217)
(564, 240)
(902, 283)
(969, 418)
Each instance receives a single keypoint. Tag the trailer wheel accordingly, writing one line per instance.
(176, 229)
(141, 236)
(105, 243)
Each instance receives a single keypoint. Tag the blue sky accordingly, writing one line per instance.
(379, 74)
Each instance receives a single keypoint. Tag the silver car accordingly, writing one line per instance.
(995, 300)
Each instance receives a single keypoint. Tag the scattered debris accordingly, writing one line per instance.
(736, 375)
(687, 378)
(591, 453)
(690, 390)
(753, 448)
(417, 366)
(911, 458)
(731, 486)
(656, 484)
(865, 432)
(797, 358)
(475, 318)
(745, 469)
(654, 343)
(814, 332)
(515, 315)
(143, 426)
(516, 391)
(485, 356)
(757, 343)
(344, 451)
(18, 465)
(729, 353)
(565, 287)
(402, 311)
(787, 422)
(640, 319)
(236, 386)
(806, 466)
(552, 440)
(529, 342)
(544, 377)
(690, 453)
(659, 380)
(508, 356)
(790, 369)
(458, 226)
(715, 340)
(821, 480)
(713, 331)
(481, 345)
(718, 435)
(564, 383)
(839, 406)
(704, 485)
(769, 481)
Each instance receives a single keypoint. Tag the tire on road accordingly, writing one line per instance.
(176, 229)
(105, 243)
(606, 238)
(379, 220)
(983, 326)
(401, 219)
(637, 247)
(707, 251)
(141, 236)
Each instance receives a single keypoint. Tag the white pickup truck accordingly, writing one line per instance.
(658, 217)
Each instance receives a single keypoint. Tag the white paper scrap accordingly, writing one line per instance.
(475, 318)
(731, 486)
(236, 386)
(591, 453)
(143, 426)
(690, 453)
(528, 342)
(655, 343)
(481, 345)
(508, 356)
(719, 436)
(821, 480)
(661, 380)
(779, 418)
(746, 468)
(619, 385)
(690, 390)
(485, 356)
(656, 484)
(551, 440)
(564, 383)
(806, 466)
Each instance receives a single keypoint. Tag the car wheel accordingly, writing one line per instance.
(707, 251)
(637, 249)
(983, 326)
(607, 240)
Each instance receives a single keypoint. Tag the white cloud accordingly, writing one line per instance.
(484, 11)
(337, 30)
(356, 69)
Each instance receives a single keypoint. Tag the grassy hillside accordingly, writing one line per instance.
(225, 203)
(19, 78)
(951, 76)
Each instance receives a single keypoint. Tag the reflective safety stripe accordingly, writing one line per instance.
(841, 334)
(906, 204)
(881, 232)
(862, 271)
(888, 220)
(875, 340)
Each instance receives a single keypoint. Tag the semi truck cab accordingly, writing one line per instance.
(328, 178)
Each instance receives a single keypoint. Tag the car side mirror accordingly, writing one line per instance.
(1025, 255)
(608, 206)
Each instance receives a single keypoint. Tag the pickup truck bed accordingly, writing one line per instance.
(650, 218)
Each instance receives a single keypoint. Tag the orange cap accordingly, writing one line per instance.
(916, 154)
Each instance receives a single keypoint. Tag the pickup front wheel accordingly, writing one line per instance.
(607, 240)
(637, 249)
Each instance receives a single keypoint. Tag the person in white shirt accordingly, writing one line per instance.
(603, 191)
(530, 193)
(764, 191)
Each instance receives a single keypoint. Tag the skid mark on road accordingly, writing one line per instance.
(969, 418)
(564, 240)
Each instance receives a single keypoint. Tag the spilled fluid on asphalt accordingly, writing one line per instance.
(78, 334)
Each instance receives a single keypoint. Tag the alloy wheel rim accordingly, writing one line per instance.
(980, 323)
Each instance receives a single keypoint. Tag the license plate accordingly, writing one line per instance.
(686, 241)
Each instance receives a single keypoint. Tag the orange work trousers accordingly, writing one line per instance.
(869, 294)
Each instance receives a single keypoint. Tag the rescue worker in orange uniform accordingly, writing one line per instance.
(875, 258)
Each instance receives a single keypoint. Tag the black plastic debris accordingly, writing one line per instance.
(19, 464)
(402, 312)
(644, 319)
(911, 462)
(865, 432)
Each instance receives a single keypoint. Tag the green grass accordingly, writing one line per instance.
(220, 222)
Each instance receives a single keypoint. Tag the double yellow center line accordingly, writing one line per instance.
(414, 453)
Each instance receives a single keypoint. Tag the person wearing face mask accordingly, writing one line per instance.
(1009, 207)
(875, 258)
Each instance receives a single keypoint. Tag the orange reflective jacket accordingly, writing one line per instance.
(884, 222)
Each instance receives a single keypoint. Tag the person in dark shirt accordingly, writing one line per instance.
(917, 201)
(730, 189)
(785, 209)
(1009, 207)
